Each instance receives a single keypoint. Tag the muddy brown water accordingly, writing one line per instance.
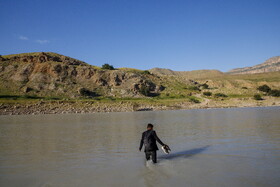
(215, 147)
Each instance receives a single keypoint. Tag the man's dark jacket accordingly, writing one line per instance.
(152, 146)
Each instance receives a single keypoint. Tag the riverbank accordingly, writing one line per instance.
(93, 106)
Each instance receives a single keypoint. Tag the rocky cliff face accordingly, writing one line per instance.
(51, 74)
(271, 65)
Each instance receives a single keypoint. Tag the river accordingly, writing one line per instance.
(210, 148)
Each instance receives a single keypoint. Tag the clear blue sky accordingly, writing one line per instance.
(174, 34)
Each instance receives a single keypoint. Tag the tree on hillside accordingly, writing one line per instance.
(264, 88)
(108, 66)
(146, 72)
(274, 93)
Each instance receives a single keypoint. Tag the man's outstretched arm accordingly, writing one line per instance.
(157, 138)
(141, 142)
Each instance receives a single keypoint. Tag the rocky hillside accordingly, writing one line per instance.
(51, 74)
(271, 65)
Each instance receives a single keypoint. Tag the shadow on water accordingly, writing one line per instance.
(184, 154)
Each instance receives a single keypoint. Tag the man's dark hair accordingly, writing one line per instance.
(150, 126)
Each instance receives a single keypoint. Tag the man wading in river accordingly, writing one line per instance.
(149, 139)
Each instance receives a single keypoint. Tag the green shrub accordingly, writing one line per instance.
(87, 93)
(146, 72)
(274, 93)
(207, 93)
(107, 66)
(258, 97)
(264, 88)
(144, 90)
(205, 86)
(194, 100)
(220, 95)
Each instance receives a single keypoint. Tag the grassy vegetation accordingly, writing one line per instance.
(132, 70)
(159, 100)
(239, 95)
(268, 77)
(28, 97)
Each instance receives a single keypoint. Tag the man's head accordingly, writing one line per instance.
(150, 126)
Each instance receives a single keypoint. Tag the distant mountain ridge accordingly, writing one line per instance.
(270, 65)
(187, 74)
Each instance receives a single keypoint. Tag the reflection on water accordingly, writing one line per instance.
(216, 147)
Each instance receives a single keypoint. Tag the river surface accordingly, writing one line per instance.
(210, 148)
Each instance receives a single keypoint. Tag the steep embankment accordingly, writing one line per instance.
(270, 65)
(51, 74)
